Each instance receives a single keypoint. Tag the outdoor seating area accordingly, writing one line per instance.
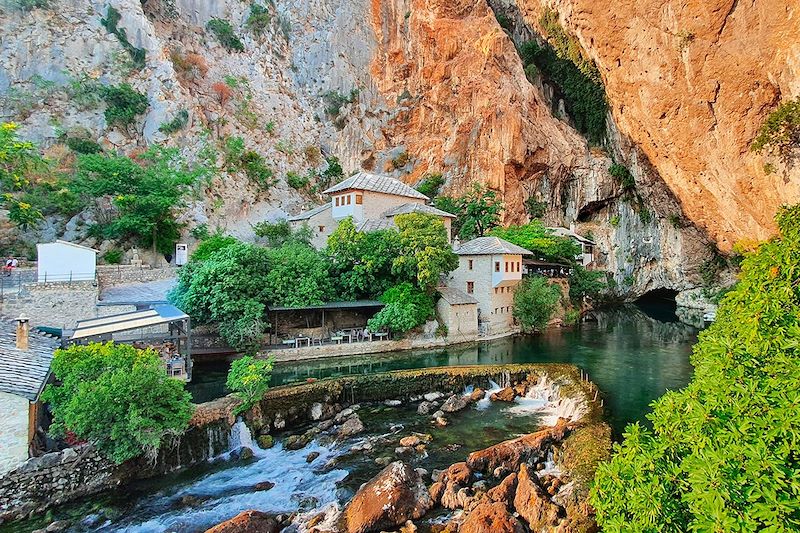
(344, 335)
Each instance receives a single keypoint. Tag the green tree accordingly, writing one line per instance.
(281, 232)
(535, 237)
(586, 283)
(248, 379)
(118, 398)
(298, 275)
(123, 104)
(534, 303)
(780, 131)
(722, 454)
(145, 196)
(406, 307)
(211, 245)
(22, 214)
(431, 184)
(19, 160)
(478, 211)
(424, 251)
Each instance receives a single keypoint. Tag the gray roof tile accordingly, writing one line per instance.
(490, 246)
(411, 207)
(24, 372)
(375, 183)
(305, 215)
(455, 296)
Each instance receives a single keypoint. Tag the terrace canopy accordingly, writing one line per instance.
(317, 317)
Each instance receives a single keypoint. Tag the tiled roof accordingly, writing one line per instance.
(490, 246)
(373, 182)
(24, 372)
(375, 225)
(411, 207)
(305, 215)
(454, 296)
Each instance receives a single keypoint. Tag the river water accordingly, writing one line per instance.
(633, 354)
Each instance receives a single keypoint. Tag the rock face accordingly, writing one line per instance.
(248, 522)
(395, 495)
(533, 503)
(510, 454)
(491, 518)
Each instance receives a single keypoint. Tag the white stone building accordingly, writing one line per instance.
(489, 270)
(458, 312)
(25, 359)
(586, 257)
(371, 200)
(65, 261)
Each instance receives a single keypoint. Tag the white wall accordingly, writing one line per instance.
(345, 209)
(63, 262)
(13, 431)
(510, 270)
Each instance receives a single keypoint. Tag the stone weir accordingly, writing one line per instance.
(57, 478)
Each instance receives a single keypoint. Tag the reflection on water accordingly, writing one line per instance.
(632, 356)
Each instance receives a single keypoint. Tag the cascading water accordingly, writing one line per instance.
(240, 437)
(494, 388)
(545, 399)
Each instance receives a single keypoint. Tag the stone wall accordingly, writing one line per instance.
(13, 431)
(58, 305)
(111, 275)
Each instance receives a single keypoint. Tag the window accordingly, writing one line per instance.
(497, 266)
(519, 266)
(348, 199)
(321, 229)
(506, 266)
(470, 264)
(359, 198)
(470, 287)
(336, 200)
(495, 290)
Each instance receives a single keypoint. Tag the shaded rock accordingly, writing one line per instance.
(310, 457)
(248, 522)
(455, 403)
(436, 490)
(459, 473)
(263, 485)
(58, 525)
(504, 492)
(352, 426)
(190, 500)
(506, 395)
(343, 415)
(325, 425)
(295, 442)
(265, 442)
(477, 395)
(408, 527)
(383, 461)
(491, 518)
(433, 396)
(533, 503)
(511, 453)
(425, 408)
(456, 480)
(403, 451)
(396, 495)
(521, 389)
(245, 453)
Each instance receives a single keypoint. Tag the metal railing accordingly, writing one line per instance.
(13, 283)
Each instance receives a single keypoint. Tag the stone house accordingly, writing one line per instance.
(65, 261)
(371, 200)
(489, 270)
(25, 359)
(458, 312)
(586, 256)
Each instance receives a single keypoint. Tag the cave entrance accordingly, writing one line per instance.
(659, 304)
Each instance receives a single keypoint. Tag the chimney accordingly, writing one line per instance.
(23, 329)
(572, 226)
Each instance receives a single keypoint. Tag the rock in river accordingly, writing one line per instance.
(533, 503)
(397, 494)
(506, 395)
(352, 426)
(511, 453)
(455, 403)
(248, 522)
(491, 518)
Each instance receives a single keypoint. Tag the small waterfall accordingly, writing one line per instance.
(240, 437)
(486, 401)
(550, 466)
(545, 398)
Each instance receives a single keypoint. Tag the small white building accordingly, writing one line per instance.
(319, 221)
(65, 261)
(458, 311)
(25, 359)
(586, 257)
(489, 270)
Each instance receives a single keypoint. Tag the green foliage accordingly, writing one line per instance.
(780, 132)
(535, 237)
(675, 220)
(82, 145)
(145, 196)
(85, 92)
(401, 160)
(224, 33)
(295, 180)
(113, 256)
(117, 397)
(298, 276)
(332, 174)
(249, 378)
(562, 61)
(504, 21)
(258, 20)
(535, 208)
(200, 232)
(431, 184)
(406, 308)
(477, 211)
(424, 251)
(23, 214)
(123, 104)
(19, 160)
(253, 164)
(334, 101)
(586, 284)
(281, 232)
(614, 221)
(535, 301)
(211, 245)
(178, 122)
(722, 454)
(623, 176)
(572, 316)
(110, 23)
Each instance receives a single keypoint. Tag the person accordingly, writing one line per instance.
(8, 266)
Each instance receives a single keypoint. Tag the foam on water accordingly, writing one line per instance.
(545, 399)
(225, 493)
(486, 402)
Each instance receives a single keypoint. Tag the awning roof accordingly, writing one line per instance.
(357, 304)
(157, 314)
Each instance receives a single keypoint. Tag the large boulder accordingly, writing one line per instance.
(455, 403)
(397, 494)
(491, 518)
(506, 395)
(248, 522)
(352, 426)
(455, 481)
(508, 455)
(533, 503)
(504, 492)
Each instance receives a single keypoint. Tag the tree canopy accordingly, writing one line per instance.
(541, 241)
(406, 308)
(477, 211)
(116, 397)
(425, 253)
(722, 454)
(535, 301)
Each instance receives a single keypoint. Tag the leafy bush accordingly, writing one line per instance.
(333, 173)
(110, 23)
(424, 250)
(504, 21)
(82, 145)
(258, 20)
(431, 184)
(123, 104)
(200, 232)
(406, 308)
(223, 92)
(178, 122)
(722, 454)
(23, 214)
(614, 221)
(19, 159)
(535, 208)
(623, 176)
(281, 232)
(86, 400)
(190, 67)
(224, 33)
(295, 180)
(400, 160)
(586, 284)
(780, 131)
(257, 170)
(113, 256)
(211, 245)
(477, 211)
(334, 101)
(85, 92)
(248, 379)
(534, 303)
